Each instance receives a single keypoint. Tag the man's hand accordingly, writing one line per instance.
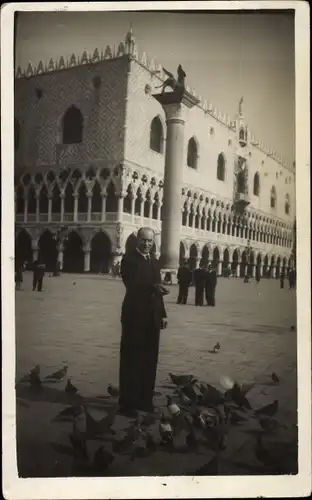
(163, 323)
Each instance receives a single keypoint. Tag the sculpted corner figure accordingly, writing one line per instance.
(175, 84)
(142, 317)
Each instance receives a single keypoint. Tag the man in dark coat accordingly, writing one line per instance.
(210, 286)
(143, 316)
(39, 271)
(258, 274)
(184, 277)
(199, 277)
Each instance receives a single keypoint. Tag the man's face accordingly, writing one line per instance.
(145, 241)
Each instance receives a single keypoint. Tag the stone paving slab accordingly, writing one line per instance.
(76, 319)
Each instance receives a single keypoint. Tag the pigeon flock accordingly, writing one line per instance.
(196, 417)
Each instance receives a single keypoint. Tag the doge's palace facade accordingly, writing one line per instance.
(90, 142)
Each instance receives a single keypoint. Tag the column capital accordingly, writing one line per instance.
(176, 104)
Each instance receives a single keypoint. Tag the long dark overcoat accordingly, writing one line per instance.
(142, 312)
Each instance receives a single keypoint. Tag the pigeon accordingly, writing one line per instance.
(26, 378)
(70, 388)
(59, 375)
(237, 396)
(99, 427)
(120, 445)
(172, 407)
(211, 396)
(78, 436)
(275, 378)
(184, 399)
(217, 347)
(292, 328)
(150, 443)
(34, 380)
(102, 460)
(181, 380)
(69, 412)
(269, 424)
(148, 420)
(268, 410)
(190, 390)
(199, 420)
(165, 430)
(113, 391)
(74, 282)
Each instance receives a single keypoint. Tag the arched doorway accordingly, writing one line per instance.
(48, 250)
(266, 269)
(243, 266)
(278, 267)
(73, 259)
(131, 243)
(182, 253)
(23, 250)
(193, 256)
(235, 260)
(225, 263)
(215, 257)
(101, 253)
(205, 255)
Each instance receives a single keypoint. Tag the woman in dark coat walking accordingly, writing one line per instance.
(143, 316)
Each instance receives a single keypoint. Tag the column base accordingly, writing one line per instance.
(169, 276)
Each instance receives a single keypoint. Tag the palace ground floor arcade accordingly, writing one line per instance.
(95, 247)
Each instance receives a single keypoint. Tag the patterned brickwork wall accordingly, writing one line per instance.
(101, 101)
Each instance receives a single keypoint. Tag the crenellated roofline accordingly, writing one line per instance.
(129, 48)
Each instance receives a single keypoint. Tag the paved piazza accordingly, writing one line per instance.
(76, 320)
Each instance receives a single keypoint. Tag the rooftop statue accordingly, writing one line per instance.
(175, 84)
(240, 106)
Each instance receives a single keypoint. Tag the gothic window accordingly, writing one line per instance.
(43, 200)
(192, 153)
(20, 200)
(17, 132)
(273, 197)
(156, 135)
(72, 126)
(221, 167)
(287, 204)
(256, 184)
(241, 182)
(242, 134)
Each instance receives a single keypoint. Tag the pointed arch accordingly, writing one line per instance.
(73, 260)
(273, 197)
(157, 135)
(182, 253)
(192, 153)
(256, 184)
(287, 204)
(20, 202)
(69, 199)
(131, 243)
(96, 203)
(56, 200)
(101, 253)
(32, 203)
(111, 198)
(43, 200)
(82, 199)
(221, 167)
(23, 250)
(72, 126)
(48, 250)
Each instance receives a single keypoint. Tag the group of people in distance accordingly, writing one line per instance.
(205, 282)
(38, 268)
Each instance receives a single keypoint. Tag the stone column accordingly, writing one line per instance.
(37, 208)
(35, 250)
(176, 105)
(60, 256)
(132, 205)
(150, 210)
(219, 268)
(237, 269)
(103, 212)
(89, 195)
(25, 208)
(62, 196)
(49, 209)
(159, 211)
(120, 202)
(87, 253)
(197, 262)
(75, 195)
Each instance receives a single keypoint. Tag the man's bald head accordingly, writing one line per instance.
(145, 239)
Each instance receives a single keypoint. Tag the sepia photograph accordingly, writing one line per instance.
(155, 243)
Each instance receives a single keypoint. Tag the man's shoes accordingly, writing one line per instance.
(127, 412)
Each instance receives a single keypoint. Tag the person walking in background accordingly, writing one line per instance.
(19, 276)
(282, 279)
(210, 286)
(258, 275)
(39, 271)
(199, 277)
(184, 277)
(143, 315)
(291, 279)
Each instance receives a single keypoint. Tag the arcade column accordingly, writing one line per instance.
(176, 106)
